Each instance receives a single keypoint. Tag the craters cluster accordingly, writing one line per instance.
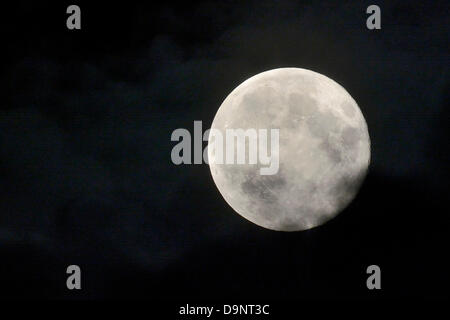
(301, 105)
(348, 108)
(263, 187)
(322, 124)
(350, 137)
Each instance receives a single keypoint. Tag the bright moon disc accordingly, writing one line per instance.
(324, 149)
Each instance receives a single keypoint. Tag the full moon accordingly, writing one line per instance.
(324, 149)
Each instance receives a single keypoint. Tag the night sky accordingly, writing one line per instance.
(86, 176)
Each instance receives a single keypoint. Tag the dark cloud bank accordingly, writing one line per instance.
(85, 147)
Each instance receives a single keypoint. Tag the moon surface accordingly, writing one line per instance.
(324, 149)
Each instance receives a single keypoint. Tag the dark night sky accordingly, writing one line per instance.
(86, 176)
